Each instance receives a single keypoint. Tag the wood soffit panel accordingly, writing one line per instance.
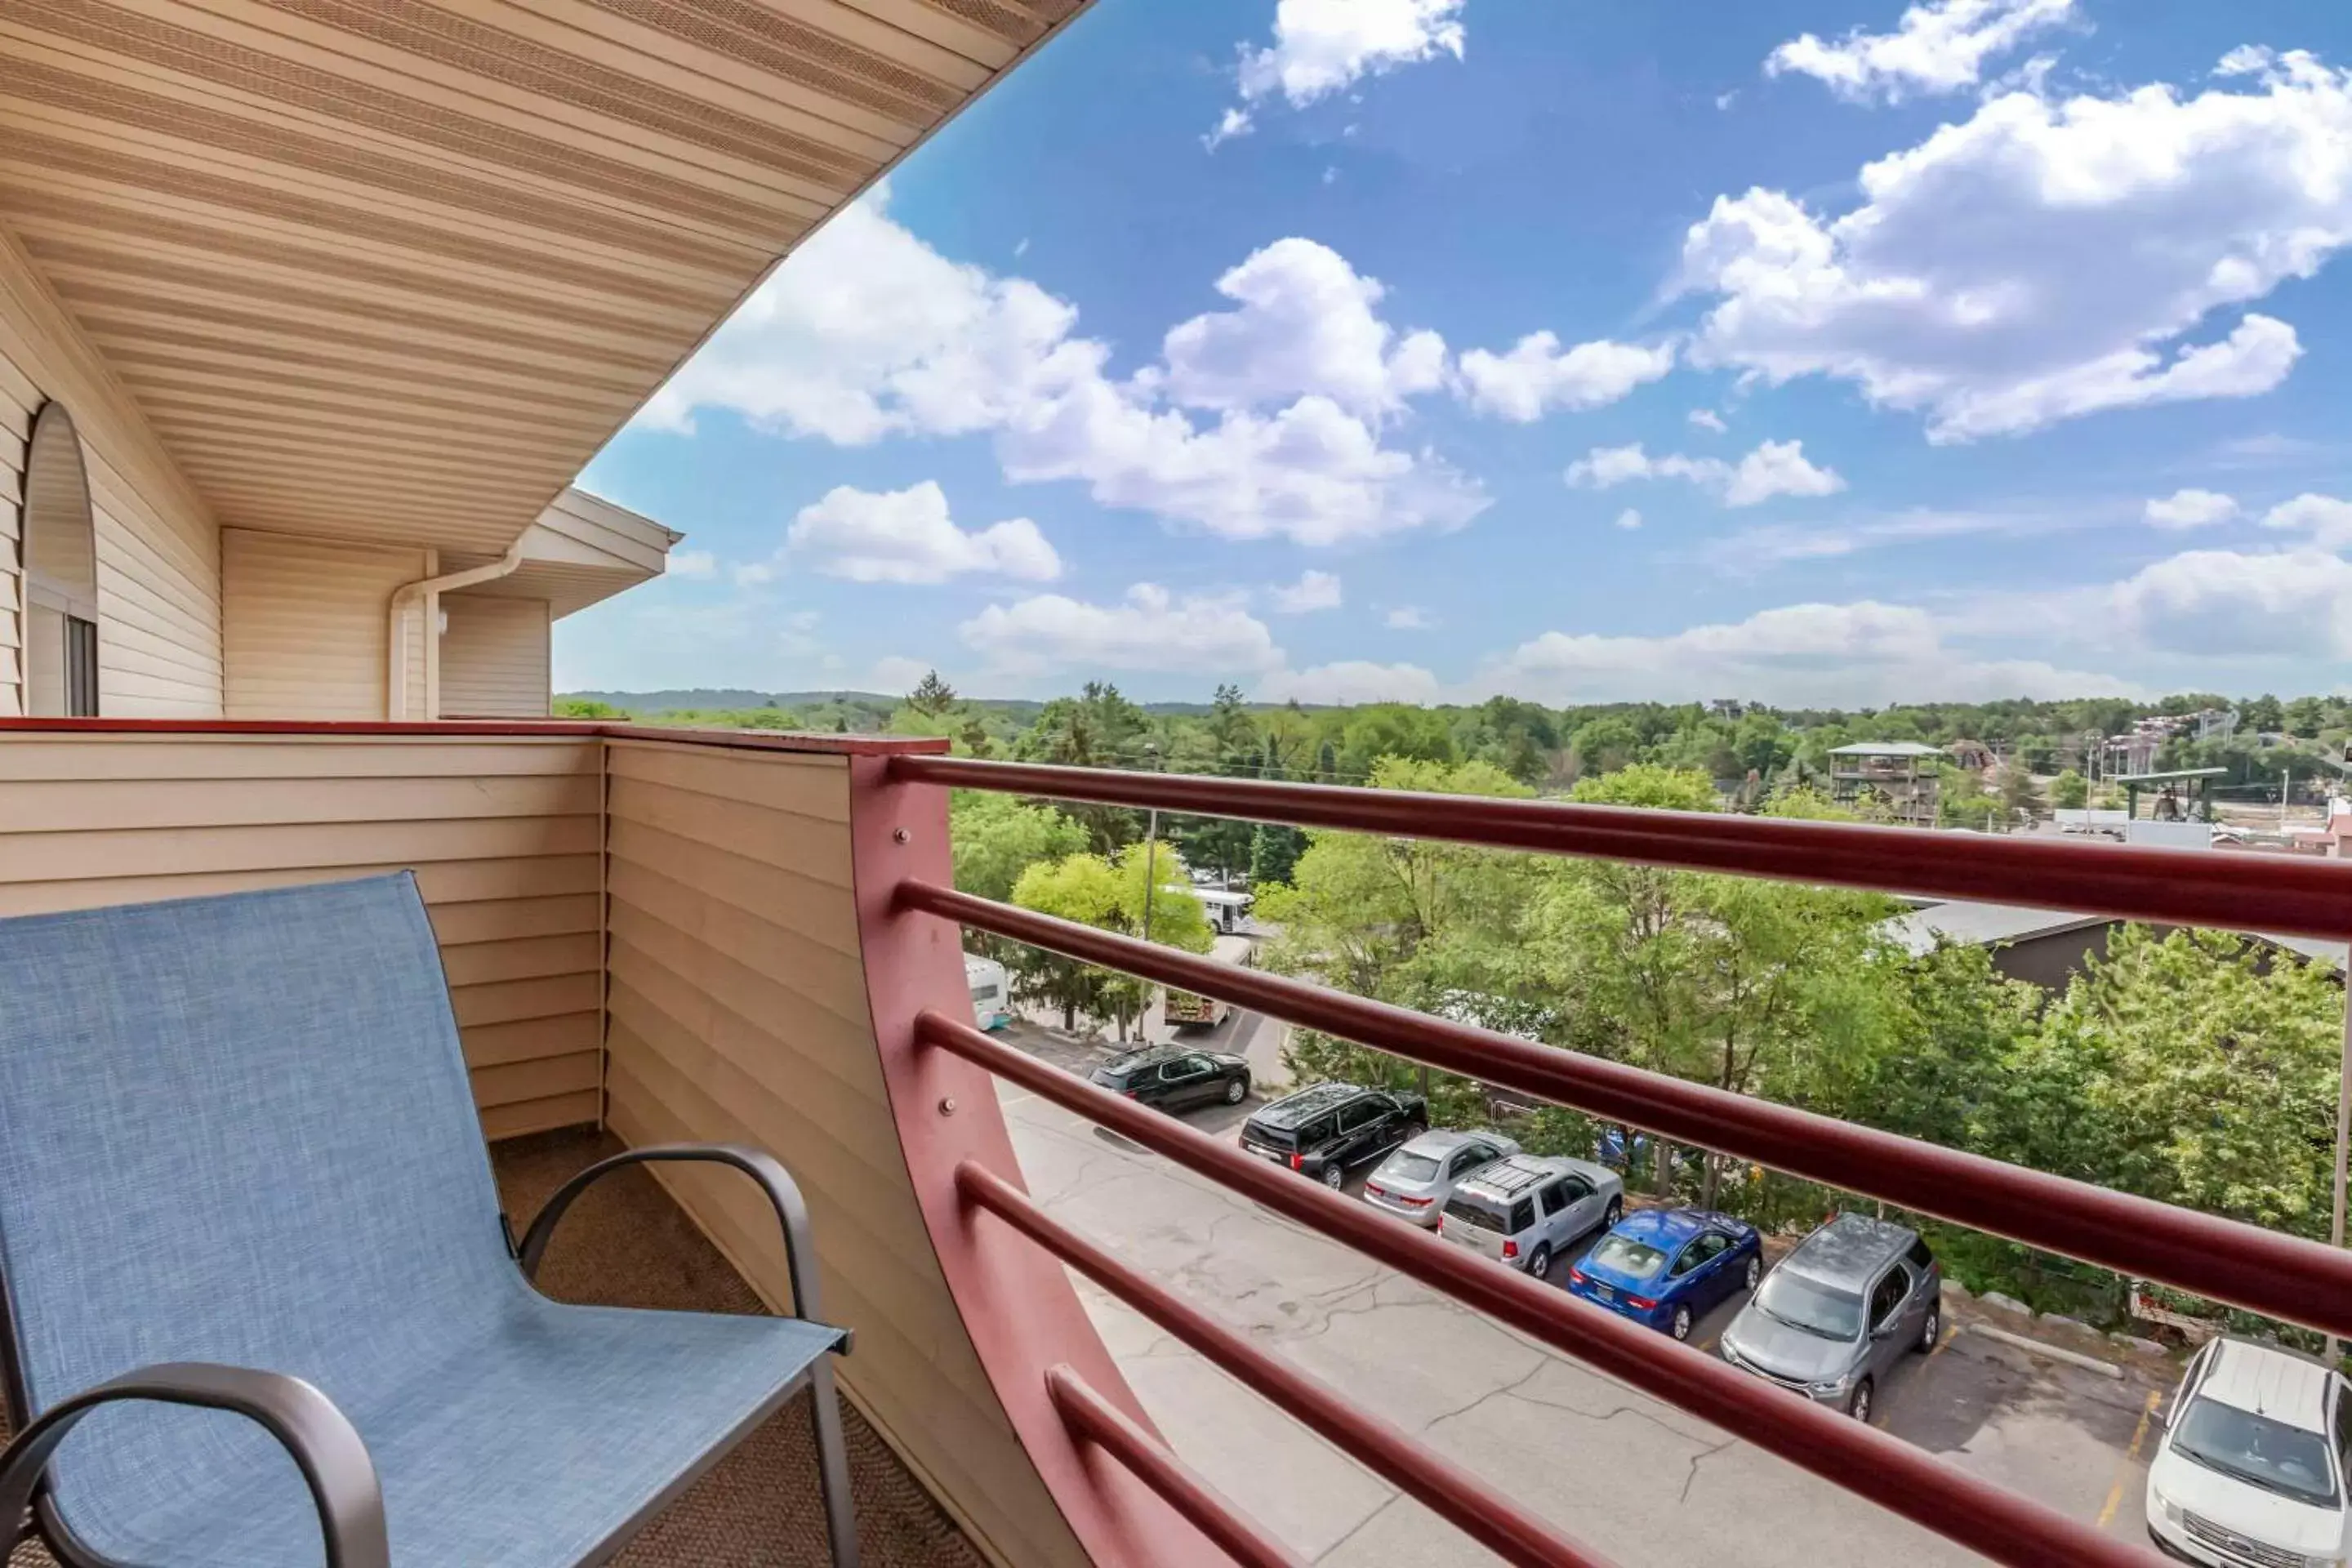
(394, 270)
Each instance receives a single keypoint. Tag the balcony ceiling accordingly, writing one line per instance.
(396, 269)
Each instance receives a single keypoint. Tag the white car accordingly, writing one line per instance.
(2250, 1472)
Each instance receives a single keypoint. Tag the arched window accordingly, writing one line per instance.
(60, 573)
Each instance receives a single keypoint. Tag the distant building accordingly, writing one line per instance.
(1899, 779)
(2049, 947)
(1973, 755)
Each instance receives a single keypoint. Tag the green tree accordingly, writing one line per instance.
(931, 695)
(996, 837)
(2017, 796)
(2069, 791)
(2196, 1069)
(1274, 852)
(1752, 985)
(1419, 923)
(1393, 729)
(1604, 745)
(1111, 896)
(1100, 728)
(586, 708)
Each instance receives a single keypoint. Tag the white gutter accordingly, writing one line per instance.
(396, 620)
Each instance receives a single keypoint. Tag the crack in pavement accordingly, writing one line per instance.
(1703, 1454)
(1394, 1497)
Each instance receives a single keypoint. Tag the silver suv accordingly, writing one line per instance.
(1526, 1210)
(1844, 1306)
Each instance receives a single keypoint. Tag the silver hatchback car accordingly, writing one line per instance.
(1414, 1182)
(1847, 1303)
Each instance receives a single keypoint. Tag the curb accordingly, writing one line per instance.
(2055, 1352)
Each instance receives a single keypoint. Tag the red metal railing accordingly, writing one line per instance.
(2278, 1276)
(2292, 895)
(2282, 1277)
(1109, 1429)
(1453, 1493)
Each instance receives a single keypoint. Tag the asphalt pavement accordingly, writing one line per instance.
(1632, 1477)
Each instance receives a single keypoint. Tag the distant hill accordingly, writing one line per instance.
(707, 698)
(704, 697)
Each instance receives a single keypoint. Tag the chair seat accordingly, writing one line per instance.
(531, 1447)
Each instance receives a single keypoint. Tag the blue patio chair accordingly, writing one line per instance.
(261, 1310)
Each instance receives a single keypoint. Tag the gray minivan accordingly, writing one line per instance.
(1846, 1304)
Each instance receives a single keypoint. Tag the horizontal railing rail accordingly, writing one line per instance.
(1449, 1490)
(1112, 1430)
(2278, 1276)
(1855, 1457)
(2290, 895)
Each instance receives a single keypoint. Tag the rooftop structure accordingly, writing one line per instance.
(1896, 779)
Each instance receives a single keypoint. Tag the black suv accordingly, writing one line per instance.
(1174, 1078)
(1328, 1131)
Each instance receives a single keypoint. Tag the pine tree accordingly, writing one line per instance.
(931, 695)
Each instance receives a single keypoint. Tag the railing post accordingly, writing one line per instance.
(1017, 1305)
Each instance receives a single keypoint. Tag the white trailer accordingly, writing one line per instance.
(991, 992)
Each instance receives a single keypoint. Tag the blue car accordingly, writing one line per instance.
(1666, 1267)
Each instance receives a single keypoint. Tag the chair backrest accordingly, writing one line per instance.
(233, 1129)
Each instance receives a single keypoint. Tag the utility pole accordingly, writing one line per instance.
(1151, 845)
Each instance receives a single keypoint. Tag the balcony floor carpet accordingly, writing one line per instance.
(625, 1244)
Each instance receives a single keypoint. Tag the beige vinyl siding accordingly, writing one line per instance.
(494, 658)
(159, 589)
(737, 1011)
(307, 630)
(503, 834)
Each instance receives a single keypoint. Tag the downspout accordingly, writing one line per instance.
(396, 620)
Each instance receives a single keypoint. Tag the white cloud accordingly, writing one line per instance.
(695, 564)
(1628, 519)
(868, 333)
(796, 633)
(1775, 544)
(1799, 654)
(1537, 376)
(753, 574)
(2101, 233)
(1232, 123)
(1313, 591)
(1323, 47)
(1408, 618)
(2221, 603)
(1708, 419)
(2189, 509)
(1306, 325)
(1349, 682)
(1773, 468)
(1941, 46)
(894, 674)
(1149, 630)
(2326, 520)
(907, 536)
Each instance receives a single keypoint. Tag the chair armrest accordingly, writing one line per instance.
(783, 1195)
(323, 1443)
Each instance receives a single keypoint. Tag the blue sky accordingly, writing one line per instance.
(1825, 353)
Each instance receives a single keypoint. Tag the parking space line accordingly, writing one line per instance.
(2131, 1455)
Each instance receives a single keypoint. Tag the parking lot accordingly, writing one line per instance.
(1633, 1478)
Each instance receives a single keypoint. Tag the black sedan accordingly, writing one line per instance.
(1174, 1079)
